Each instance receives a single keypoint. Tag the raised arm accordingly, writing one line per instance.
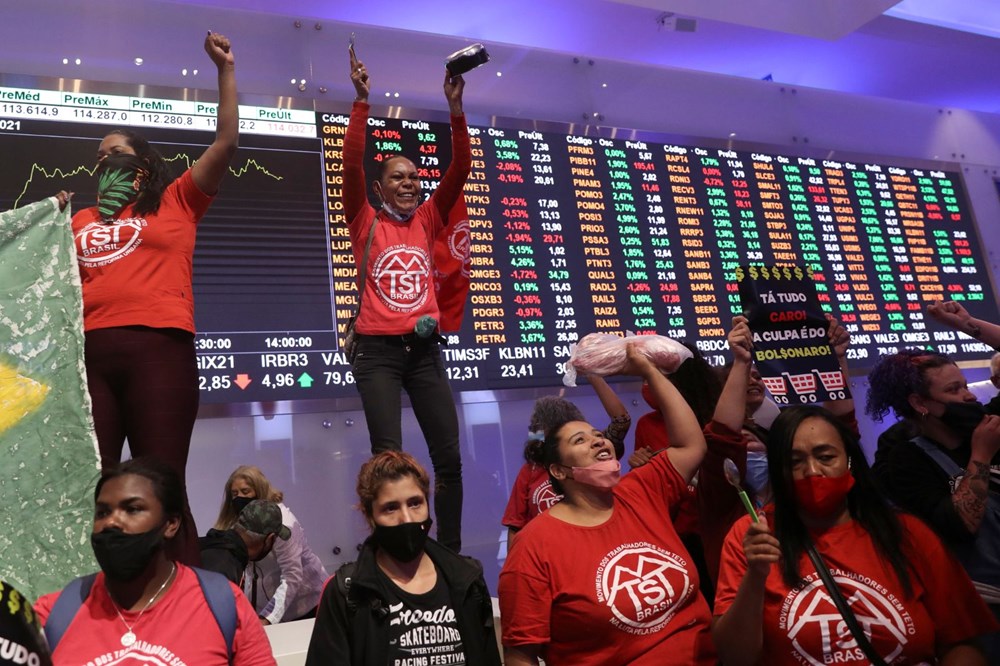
(731, 409)
(354, 142)
(621, 420)
(972, 494)
(450, 189)
(210, 168)
(953, 315)
(840, 340)
(687, 443)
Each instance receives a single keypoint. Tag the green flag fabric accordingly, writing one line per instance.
(48, 449)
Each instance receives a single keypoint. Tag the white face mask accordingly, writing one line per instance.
(391, 212)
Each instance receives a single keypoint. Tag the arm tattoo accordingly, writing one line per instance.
(971, 494)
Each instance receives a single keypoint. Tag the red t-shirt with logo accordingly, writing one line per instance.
(136, 271)
(624, 592)
(399, 289)
(179, 630)
(803, 626)
(531, 495)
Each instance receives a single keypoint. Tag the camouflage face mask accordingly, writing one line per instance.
(119, 179)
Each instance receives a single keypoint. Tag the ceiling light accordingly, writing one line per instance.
(294, 82)
(395, 95)
(184, 72)
(78, 61)
(65, 61)
(499, 73)
(138, 62)
(604, 85)
(194, 73)
(388, 94)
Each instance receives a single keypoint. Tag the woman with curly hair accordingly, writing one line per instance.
(941, 461)
(602, 578)
(532, 492)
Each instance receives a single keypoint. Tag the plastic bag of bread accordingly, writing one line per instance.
(603, 354)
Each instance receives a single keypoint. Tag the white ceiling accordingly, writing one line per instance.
(936, 52)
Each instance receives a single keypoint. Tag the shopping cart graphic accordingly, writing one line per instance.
(775, 385)
(805, 383)
(832, 381)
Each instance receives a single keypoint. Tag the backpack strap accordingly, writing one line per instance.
(221, 602)
(65, 608)
(343, 578)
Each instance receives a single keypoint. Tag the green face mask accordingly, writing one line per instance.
(119, 180)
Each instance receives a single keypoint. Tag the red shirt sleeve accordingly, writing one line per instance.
(450, 189)
(354, 161)
(516, 513)
(656, 484)
(186, 196)
(43, 606)
(525, 601)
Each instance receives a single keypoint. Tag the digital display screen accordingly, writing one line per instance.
(569, 235)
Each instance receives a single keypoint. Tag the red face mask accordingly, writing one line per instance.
(822, 496)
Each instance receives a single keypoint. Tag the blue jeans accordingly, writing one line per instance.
(384, 365)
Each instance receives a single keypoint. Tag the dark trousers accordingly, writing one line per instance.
(144, 386)
(384, 365)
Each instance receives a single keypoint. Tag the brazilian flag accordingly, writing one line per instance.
(48, 449)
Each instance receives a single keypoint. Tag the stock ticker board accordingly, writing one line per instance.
(569, 235)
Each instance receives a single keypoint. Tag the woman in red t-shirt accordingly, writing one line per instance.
(532, 492)
(602, 577)
(135, 251)
(910, 596)
(143, 607)
(397, 345)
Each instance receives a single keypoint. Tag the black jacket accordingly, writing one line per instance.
(354, 633)
(224, 552)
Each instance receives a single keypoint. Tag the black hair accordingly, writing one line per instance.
(550, 415)
(549, 411)
(167, 485)
(699, 384)
(153, 187)
(384, 166)
(867, 506)
(896, 376)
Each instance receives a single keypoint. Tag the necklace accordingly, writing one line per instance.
(128, 638)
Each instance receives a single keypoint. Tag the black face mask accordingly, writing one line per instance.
(124, 556)
(240, 503)
(963, 417)
(119, 179)
(404, 542)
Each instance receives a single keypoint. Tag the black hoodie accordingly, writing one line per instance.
(224, 552)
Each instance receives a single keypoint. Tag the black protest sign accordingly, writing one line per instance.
(790, 344)
(21, 640)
